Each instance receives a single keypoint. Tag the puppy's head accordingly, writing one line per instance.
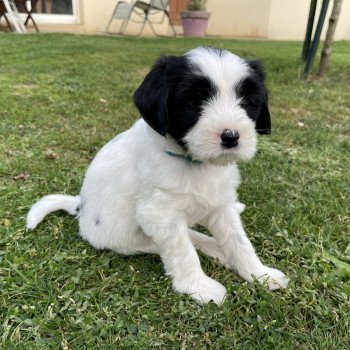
(210, 101)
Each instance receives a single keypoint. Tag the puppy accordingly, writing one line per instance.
(176, 167)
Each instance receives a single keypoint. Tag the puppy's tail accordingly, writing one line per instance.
(48, 204)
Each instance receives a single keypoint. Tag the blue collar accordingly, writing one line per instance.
(187, 157)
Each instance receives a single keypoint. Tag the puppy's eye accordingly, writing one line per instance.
(195, 103)
(250, 103)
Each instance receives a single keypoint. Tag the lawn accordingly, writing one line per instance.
(61, 98)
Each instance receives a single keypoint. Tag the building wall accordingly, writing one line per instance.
(267, 19)
(248, 18)
(288, 19)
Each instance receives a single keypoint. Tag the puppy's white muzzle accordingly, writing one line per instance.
(207, 140)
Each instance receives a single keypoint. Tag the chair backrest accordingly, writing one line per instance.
(160, 4)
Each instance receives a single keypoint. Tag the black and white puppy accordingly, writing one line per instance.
(175, 168)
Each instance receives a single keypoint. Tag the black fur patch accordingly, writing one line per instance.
(186, 102)
(172, 95)
(252, 93)
(151, 97)
(81, 205)
(255, 98)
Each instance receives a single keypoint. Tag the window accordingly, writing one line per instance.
(64, 7)
(56, 11)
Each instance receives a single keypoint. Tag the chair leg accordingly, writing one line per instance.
(29, 17)
(144, 24)
(12, 11)
(123, 26)
(108, 25)
(8, 22)
(152, 28)
(170, 22)
(111, 20)
(154, 31)
(125, 23)
(35, 26)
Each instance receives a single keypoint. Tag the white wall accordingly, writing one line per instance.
(288, 20)
(268, 19)
(248, 18)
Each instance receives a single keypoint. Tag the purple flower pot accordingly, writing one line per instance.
(195, 23)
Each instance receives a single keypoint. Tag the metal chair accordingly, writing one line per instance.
(143, 12)
(12, 16)
(10, 10)
(3, 12)
(27, 7)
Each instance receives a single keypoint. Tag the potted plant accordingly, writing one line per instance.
(195, 19)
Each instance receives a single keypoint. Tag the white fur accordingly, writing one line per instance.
(223, 111)
(138, 199)
(51, 203)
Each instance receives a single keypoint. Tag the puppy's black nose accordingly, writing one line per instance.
(229, 138)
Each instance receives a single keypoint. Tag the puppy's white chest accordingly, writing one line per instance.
(198, 195)
(197, 208)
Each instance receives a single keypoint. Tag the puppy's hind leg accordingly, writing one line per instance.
(145, 245)
(209, 245)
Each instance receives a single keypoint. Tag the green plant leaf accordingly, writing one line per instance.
(338, 263)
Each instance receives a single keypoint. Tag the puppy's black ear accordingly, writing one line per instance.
(258, 69)
(263, 122)
(151, 97)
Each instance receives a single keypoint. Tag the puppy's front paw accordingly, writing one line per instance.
(274, 278)
(201, 288)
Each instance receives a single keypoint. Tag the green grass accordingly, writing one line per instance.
(61, 98)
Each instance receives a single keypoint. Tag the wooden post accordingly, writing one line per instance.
(327, 46)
